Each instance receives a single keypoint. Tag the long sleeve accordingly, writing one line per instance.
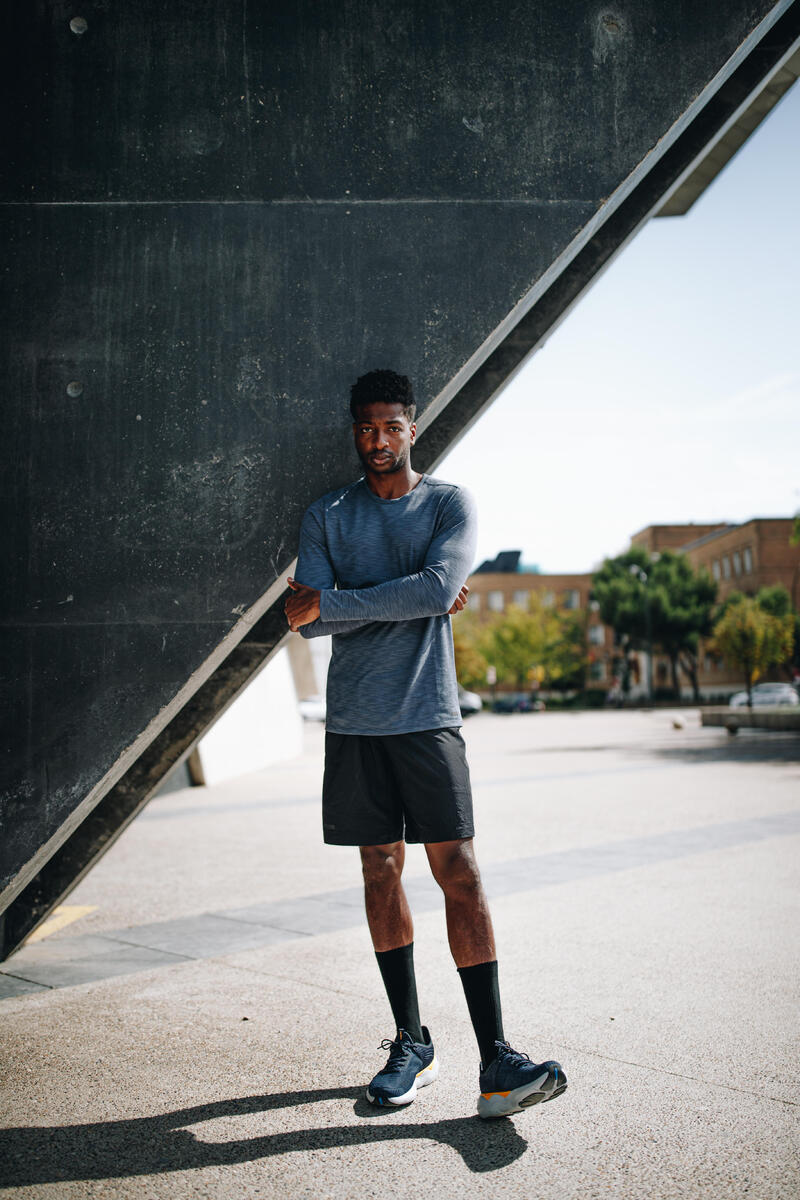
(315, 570)
(428, 592)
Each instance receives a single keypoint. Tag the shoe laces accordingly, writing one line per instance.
(398, 1053)
(517, 1057)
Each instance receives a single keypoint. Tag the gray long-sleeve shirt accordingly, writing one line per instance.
(388, 571)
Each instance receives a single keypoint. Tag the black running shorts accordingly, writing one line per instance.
(404, 786)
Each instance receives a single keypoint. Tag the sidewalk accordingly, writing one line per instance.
(206, 1025)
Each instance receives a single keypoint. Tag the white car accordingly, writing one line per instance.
(312, 708)
(767, 695)
(468, 702)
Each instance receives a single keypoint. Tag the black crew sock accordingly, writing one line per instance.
(397, 970)
(483, 1001)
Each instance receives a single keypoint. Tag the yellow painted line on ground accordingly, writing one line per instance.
(62, 916)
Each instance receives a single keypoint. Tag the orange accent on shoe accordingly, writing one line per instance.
(488, 1095)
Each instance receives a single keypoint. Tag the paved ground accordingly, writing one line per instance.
(206, 1024)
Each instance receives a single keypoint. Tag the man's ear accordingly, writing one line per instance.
(413, 432)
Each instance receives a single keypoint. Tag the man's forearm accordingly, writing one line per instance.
(320, 628)
(427, 593)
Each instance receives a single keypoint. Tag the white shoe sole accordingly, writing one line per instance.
(546, 1086)
(424, 1077)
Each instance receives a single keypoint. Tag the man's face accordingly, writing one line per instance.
(383, 436)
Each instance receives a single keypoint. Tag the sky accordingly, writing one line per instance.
(671, 393)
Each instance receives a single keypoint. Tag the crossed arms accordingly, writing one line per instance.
(302, 609)
(316, 607)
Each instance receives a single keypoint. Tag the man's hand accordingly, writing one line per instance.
(303, 607)
(460, 600)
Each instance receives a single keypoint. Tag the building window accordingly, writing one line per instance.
(597, 670)
(474, 601)
(715, 571)
(571, 598)
(521, 599)
(597, 635)
(495, 601)
(748, 560)
(726, 567)
(548, 599)
(737, 563)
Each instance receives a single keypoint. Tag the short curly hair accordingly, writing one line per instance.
(383, 387)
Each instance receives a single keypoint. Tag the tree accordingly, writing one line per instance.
(777, 601)
(774, 600)
(525, 646)
(522, 643)
(752, 638)
(470, 662)
(683, 605)
(660, 601)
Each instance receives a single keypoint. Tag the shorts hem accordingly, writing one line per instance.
(344, 839)
(423, 839)
(430, 839)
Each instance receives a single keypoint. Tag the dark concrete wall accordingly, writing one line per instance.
(216, 217)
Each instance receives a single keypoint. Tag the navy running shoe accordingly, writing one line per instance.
(411, 1065)
(512, 1082)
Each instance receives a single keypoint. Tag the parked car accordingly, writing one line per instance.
(517, 704)
(312, 708)
(767, 695)
(469, 702)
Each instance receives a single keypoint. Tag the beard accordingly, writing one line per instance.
(389, 464)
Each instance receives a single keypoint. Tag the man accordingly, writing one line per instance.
(381, 565)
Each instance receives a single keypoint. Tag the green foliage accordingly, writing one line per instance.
(621, 596)
(525, 646)
(663, 600)
(774, 600)
(753, 638)
(470, 662)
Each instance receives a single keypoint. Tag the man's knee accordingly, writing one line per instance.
(455, 867)
(382, 866)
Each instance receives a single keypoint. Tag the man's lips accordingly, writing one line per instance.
(380, 458)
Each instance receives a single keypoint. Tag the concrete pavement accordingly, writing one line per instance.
(207, 1023)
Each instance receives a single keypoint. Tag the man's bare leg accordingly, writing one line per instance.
(469, 924)
(388, 914)
(392, 932)
(471, 937)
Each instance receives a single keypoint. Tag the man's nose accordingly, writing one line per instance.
(381, 440)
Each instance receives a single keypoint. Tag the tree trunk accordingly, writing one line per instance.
(689, 665)
(749, 678)
(673, 666)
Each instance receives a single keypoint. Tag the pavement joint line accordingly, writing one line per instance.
(49, 987)
(320, 987)
(729, 1087)
(114, 937)
(300, 933)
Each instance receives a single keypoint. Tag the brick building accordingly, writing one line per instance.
(745, 557)
(498, 583)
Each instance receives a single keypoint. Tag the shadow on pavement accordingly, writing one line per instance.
(749, 745)
(157, 1145)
